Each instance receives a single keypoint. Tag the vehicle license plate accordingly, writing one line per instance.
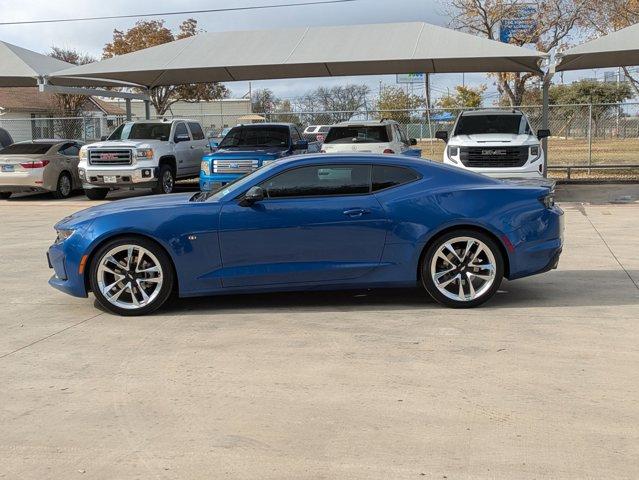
(110, 179)
(7, 168)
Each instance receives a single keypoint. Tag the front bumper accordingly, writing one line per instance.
(65, 264)
(529, 170)
(138, 177)
(211, 182)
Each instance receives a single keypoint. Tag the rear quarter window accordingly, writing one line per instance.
(387, 176)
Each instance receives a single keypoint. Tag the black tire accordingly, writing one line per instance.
(64, 187)
(466, 271)
(96, 193)
(5, 195)
(167, 274)
(166, 180)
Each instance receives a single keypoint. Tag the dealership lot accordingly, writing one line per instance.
(540, 382)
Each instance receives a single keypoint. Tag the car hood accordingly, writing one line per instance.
(244, 152)
(126, 144)
(151, 202)
(489, 139)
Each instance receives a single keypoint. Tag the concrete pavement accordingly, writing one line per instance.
(543, 382)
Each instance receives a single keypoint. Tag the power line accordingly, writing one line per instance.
(186, 12)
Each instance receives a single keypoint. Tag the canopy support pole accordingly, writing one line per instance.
(147, 109)
(128, 109)
(545, 113)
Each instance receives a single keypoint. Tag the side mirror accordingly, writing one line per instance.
(413, 141)
(254, 194)
(103, 138)
(543, 133)
(181, 138)
(300, 145)
(442, 135)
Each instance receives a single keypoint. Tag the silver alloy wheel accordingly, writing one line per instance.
(463, 268)
(167, 181)
(129, 276)
(65, 185)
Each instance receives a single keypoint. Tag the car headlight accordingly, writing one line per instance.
(534, 152)
(205, 167)
(63, 235)
(82, 172)
(452, 152)
(145, 153)
(83, 153)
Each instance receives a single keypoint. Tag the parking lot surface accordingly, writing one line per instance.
(542, 382)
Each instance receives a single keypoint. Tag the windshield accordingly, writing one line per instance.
(479, 124)
(142, 131)
(27, 149)
(357, 134)
(256, 136)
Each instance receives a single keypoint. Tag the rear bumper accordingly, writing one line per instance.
(538, 246)
(31, 181)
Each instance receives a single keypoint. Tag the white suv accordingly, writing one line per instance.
(497, 143)
(383, 136)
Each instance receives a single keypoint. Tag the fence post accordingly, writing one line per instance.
(545, 113)
(589, 136)
(84, 128)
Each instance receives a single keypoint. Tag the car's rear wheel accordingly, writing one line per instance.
(462, 269)
(64, 188)
(131, 276)
(5, 195)
(96, 193)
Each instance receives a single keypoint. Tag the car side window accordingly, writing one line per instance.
(387, 176)
(196, 131)
(402, 135)
(295, 135)
(180, 129)
(320, 180)
(69, 149)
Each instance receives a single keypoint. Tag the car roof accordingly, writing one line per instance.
(364, 122)
(52, 141)
(346, 158)
(491, 111)
(268, 124)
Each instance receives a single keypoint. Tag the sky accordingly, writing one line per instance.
(91, 36)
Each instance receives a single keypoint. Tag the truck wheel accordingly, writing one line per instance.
(96, 193)
(64, 188)
(166, 180)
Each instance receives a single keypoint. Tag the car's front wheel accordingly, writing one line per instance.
(96, 193)
(462, 269)
(166, 180)
(131, 276)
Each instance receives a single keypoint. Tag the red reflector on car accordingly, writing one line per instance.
(508, 243)
(35, 164)
(388, 150)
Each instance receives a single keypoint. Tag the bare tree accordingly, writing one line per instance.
(606, 16)
(345, 99)
(553, 23)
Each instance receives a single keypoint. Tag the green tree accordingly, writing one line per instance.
(147, 34)
(396, 104)
(464, 97)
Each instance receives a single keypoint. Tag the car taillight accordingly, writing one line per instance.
(388, 150)
(35, 164)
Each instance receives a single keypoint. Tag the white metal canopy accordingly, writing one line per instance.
(617, 49)
(311, 52)
(20, 67)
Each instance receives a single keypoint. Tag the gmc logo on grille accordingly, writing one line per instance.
(493, 152)
(108, 156)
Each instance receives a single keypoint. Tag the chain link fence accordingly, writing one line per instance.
(582, 135)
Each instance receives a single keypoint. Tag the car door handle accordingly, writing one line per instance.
(356, 212)
(191, 147)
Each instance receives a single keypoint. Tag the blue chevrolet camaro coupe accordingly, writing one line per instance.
(313, 222)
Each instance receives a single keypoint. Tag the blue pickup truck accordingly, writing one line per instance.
(248, 147)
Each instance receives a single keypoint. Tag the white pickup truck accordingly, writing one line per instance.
(143, 154)
(497, 143)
